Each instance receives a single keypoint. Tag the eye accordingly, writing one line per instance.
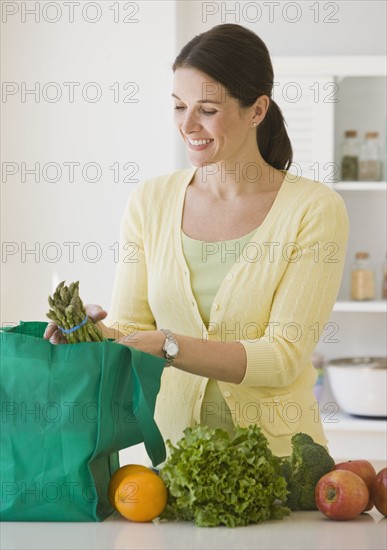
(207, 113)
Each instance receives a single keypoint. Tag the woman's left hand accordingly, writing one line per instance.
(148, 341)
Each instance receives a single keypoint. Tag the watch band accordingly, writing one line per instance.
(169, 339)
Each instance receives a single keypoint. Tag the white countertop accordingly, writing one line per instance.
(300, 530)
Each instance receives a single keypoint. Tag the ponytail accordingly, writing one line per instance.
(272, 139)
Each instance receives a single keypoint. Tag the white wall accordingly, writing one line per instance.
(110, 131)
(303, 27)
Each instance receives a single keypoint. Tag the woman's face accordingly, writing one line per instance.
(212, 124)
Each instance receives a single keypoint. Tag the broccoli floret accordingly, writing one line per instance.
(302, 470)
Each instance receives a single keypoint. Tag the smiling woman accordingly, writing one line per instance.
(238, 259)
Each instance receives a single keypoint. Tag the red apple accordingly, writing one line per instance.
(341, 494)
(379, 491)
(363, 469)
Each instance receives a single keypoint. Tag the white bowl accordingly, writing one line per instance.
(359, 385)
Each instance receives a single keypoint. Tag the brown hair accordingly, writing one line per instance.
(239, 60)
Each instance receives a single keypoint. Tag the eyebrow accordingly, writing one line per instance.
(200, 100)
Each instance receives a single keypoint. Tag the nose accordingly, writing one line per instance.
(189, 122)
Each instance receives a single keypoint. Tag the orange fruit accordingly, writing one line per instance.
(119, 475)
(141, 496)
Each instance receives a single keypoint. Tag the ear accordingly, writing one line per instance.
(260, 108)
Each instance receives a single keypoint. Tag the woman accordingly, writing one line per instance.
(238, 259)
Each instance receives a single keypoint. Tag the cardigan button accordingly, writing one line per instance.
(227, 394)
(216, 307)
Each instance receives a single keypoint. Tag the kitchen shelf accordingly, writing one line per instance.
(369, 306)
(360, 186)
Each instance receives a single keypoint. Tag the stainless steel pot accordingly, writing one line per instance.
(359, 384)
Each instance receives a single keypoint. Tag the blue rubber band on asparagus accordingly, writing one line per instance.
(73, 329)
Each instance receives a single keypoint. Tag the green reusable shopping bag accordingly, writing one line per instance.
(66, 411)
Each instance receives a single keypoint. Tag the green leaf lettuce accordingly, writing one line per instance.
(213, 479)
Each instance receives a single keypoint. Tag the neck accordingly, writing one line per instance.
(235, 179)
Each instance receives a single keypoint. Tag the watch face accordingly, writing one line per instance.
(172, 349)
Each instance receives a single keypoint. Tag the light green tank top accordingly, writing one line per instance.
(209, 263)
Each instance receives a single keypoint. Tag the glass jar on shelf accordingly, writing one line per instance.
(370, 158)
(350, 156)
(362, 278)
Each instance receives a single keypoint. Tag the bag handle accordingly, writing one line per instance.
(153, 440)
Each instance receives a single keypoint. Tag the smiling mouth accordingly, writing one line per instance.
(199, 142)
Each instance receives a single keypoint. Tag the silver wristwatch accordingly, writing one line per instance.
(170, 347)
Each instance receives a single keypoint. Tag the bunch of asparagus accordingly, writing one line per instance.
(67, 311)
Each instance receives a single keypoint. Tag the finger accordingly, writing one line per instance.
(95, 312)
(50, 329)
(58, 338)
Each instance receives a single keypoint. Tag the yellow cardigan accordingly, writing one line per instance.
(275, 300)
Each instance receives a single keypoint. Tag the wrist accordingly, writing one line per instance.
(170, 347)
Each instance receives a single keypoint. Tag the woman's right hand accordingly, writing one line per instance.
(52, 333)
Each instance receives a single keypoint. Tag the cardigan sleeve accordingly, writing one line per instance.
(304, 298)
(129, 309)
